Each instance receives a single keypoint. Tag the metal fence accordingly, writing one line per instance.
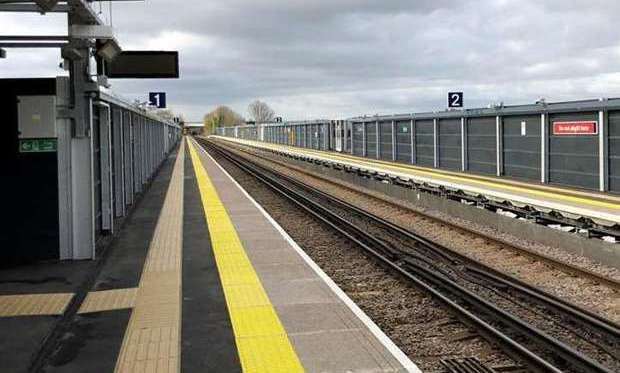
(575, 144)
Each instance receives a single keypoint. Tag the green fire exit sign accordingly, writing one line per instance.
(38, 146)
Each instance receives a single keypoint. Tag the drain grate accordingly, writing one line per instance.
(465, 365)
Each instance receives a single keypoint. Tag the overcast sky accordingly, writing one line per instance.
(342, 58)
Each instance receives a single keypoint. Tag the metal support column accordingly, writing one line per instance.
(603, 150)
(463, 146)
(544, 152)
(435, 143)
(364, 145)
(498, 145)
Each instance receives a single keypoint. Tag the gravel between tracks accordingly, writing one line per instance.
(584, 292)
(413, 320)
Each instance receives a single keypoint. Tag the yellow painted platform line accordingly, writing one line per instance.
(34, 304)
(550, 193)
(261, 339)
(152, 338)
(109, 300)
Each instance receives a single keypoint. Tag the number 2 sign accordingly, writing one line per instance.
(455, 99)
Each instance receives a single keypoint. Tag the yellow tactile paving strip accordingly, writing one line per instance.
(260, 337)
(152, 338)
(544, 192)
(108, 300)
(34, 304)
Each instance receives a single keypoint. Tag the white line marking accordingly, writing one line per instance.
(374, 329)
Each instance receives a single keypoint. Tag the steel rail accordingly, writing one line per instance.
(511, 246)
(394, 260)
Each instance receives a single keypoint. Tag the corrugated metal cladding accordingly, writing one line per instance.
(96, 136)
(449, 143)
(614, 151)
(358, 139)
(425, 143)
(302, 136)
(322, 136)
(573, 160)
(385, 140)
(371, 139)
(482, 145)
(403, 141)
(348, 133)
(298, 134)
(521, 145)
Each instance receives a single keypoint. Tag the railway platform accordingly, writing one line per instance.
(603, 208)
(200, 278)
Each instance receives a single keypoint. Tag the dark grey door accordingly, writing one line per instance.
(450, 144)
(371, 140)
(385, 137)
(522, 147)
(614, 151)
(425, 143)
(482, 145)
(403, 141)
(573, 159)
(358, 139)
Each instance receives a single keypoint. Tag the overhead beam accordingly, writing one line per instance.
(32, 45)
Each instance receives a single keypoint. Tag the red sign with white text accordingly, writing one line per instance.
(587, 127)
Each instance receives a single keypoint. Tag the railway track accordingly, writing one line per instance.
(457, 281)
(561, 265)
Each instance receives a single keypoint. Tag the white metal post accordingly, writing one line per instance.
(543, 147)
(463, 145)
(498, 145)
(602, 151)
(435, 143)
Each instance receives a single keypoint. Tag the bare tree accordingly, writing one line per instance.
(261, 112)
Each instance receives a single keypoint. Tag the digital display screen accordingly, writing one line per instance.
(144, 65)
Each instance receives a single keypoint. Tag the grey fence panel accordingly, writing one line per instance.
(325, 138)
(425, 143)
(96, 138)
(328, 136)
(316, 137)
(358, 139)
(385, 140)
(403, 141)
(449, 143)
(346, 147)
(522, 147)
(371, 139)
(117, 162)
(129, 160)
(302, 136)
(482, 145)
(614, 152)
(574, 159)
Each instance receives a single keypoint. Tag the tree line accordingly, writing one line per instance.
(223, 116)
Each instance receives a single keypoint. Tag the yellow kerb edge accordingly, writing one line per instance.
(262, 342)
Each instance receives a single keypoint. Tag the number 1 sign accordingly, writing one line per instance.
(158, 99)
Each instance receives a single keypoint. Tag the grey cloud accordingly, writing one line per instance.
(347, 57)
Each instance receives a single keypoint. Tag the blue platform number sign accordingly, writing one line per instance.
(158, 99)
(455, 99)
